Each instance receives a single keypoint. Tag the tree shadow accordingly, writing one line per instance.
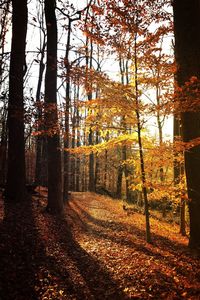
(122, 227)
(99, 281)
(102, 229)
(28, 272)
(19, 247)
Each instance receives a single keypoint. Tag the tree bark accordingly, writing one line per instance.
(55, 203)
(78, 143)
(73, 158)
(178, 173)
(3, 148)
(15, 189)
(141, 151)
(96, 175)
(187, 53)
(89, 56)
(67, 113)
(119, 182)
(40, 165)
(182, 217)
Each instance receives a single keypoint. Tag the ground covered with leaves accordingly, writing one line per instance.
(94, 251)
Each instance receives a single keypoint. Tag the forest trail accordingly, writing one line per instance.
(163, 270)
(96, 251)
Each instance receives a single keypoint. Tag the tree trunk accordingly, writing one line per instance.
(3, 149)
(187, 53)
(96, 177)
(40, 140)
(124, 72)
(73, 158)
(125, 169)
(178, 173)
(91, 183)
(141, 152)
(67, 112)
(78, 143)
(119, 182)
(55, 203)
(177, 135)
(3, 31)
(15, 190)
(182, 217)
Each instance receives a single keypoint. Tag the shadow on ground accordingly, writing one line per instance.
(29, 270)
(132, 237)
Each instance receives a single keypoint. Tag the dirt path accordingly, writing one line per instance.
(163, 270)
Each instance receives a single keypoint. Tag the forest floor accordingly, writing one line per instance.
(95, 251)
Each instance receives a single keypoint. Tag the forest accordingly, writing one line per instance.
(99, 149)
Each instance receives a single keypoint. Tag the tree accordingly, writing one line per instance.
(140, 144)
(67, 107)
(15, 186)
(4, 24)
(55, 203)
(187, 54)
(41, 163)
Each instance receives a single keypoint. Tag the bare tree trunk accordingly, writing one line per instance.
(55, 203)
(96, 176)
(105, 173)
(177, 135)
(91, 184)
(187, 53)
(16, 178)
(41, 163)
(119, 182)
(182, 217)
(178, 173)
(84, 163)
(159, 123)
(72, 160)
(78, 143)
(89, 53)
(66, 178)
(3, 32)
(124, 72)
(3, 148)
(139, 128)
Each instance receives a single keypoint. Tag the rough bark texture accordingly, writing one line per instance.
(15, 189)
(187, 51)
(55, 203)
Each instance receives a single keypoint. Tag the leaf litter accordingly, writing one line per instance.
(95, 251)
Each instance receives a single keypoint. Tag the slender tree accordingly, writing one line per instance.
(141, 151)
(67, 111)
(187, 53)
(40, 165)
(3, 75)
(55, 203)
(91, 184)
(15, 189)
